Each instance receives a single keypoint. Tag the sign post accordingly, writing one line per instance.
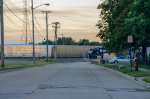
(130, 41)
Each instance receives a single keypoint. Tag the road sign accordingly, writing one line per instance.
(130, 39)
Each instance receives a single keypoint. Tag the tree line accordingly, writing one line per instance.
(70, 41)
(120, 18)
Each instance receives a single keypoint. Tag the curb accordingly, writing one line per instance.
(133, 79)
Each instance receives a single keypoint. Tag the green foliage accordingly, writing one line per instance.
(45, 42)
(147, 79)
(138, 21)
(67, 41)
(138, 24)
(83, 42)
(94, 43)
(70, 41)
(112, 24)
(120, 18)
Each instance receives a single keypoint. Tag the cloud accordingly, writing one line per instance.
(77, 22)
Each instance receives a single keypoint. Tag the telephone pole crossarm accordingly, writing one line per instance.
(56, 26)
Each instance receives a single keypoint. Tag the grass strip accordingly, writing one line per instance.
(124, 69)
(147, 80)
(17, 64)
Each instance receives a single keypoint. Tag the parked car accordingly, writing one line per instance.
(121, 59)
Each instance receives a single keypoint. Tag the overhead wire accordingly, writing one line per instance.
(40, 34)
(29, 35)
(37, 22)
(9, 19)
(13, 13)
(37, 28)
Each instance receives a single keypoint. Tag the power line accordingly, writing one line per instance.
(13, 13)
(9, 18)
(39, 26)
(37, 22)
(38, 31)
(10, 2)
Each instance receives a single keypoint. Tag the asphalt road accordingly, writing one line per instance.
(79, 80)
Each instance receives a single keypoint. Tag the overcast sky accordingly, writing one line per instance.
(77, 17)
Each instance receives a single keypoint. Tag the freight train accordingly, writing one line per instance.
(66, 51)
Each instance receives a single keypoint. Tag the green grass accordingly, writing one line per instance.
(147, 79)
(144, 66)
(124, 69)
(16, 64)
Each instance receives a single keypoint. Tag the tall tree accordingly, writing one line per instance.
(69, 41)
(138, 22)
(83, 42)
(45, 42)
(112, 24)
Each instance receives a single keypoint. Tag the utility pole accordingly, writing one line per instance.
(32, 10)
(33, 32)
(47, 12)
(56, 26)
(2, 33)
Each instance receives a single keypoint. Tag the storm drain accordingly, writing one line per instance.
(128, 89)
(66, 87)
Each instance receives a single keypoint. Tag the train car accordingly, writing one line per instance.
(66, 51)
(26, 51)
(72, 51)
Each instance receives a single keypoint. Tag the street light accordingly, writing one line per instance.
(47, 4)
(32, 8)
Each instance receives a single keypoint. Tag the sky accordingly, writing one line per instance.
(78, 19)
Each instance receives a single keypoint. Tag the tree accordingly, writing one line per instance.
(112, 24)
(69, 41)
(83, 42)
(94, 43)
(45, 42)
(138, 22)
(60, 41)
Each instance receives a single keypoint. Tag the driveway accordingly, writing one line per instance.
(80, 80)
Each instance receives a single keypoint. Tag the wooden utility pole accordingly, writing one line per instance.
(2, 33)
(47, 12)
(56, 26)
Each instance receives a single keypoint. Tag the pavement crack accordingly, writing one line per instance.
(127, 90)
(14, 94)
(66, 87)
(45, 81)
(100, 82)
